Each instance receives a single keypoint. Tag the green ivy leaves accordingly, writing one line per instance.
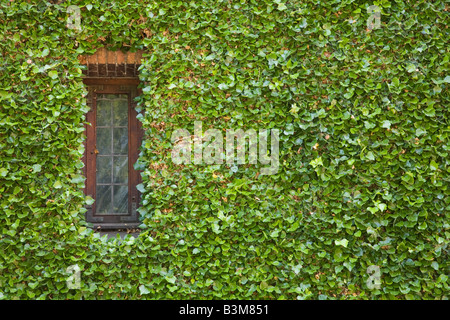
(363, 174)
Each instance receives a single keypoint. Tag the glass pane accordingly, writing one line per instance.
(103, 201)
(104, 169)
(120, 169)
(103, 113)
(104, 140)
(120, 111)
(120, 141)
(112, 139)
(120, 199)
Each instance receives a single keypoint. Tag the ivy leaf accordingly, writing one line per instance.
(316, 162)
(282, 7)
(342, 242)
(434, 165)
(349, 94)
(143, 290)
(370, 156)
(216, 228)
(430, 112)
(171, 279)
(294, 109)
(3, 172)
(410, 68)
(140, 187)
(396, 82)
(381, 206)
(89, 200)
(297, 268)
(78, 179)
(53, 74)
(45, 52)
(4, 94)
(386, 124)
(369, 125)
(274, 234)
(57, 185)
(420, 132)
(423, 226)
(263, 285)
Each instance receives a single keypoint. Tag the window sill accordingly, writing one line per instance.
(122, 233)
(114, 229)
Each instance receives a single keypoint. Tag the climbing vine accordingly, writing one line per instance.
(362, 183)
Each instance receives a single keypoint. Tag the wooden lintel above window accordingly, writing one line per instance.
(105, 56)
(112, 64)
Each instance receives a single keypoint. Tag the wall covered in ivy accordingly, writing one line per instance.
(361, 192)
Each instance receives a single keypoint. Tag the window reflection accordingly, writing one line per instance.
(112, 157)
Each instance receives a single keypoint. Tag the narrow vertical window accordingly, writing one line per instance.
(113, 137)
(112, 157)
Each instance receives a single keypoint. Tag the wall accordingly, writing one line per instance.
(362, 184)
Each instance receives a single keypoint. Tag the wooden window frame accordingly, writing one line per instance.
(135, 133)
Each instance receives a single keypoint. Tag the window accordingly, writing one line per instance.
(111, 150)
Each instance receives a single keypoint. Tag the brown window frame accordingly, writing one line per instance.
(135, 133)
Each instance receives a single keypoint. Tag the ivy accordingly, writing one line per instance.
(364, 148)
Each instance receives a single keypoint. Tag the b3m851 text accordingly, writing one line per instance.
(245, 309)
